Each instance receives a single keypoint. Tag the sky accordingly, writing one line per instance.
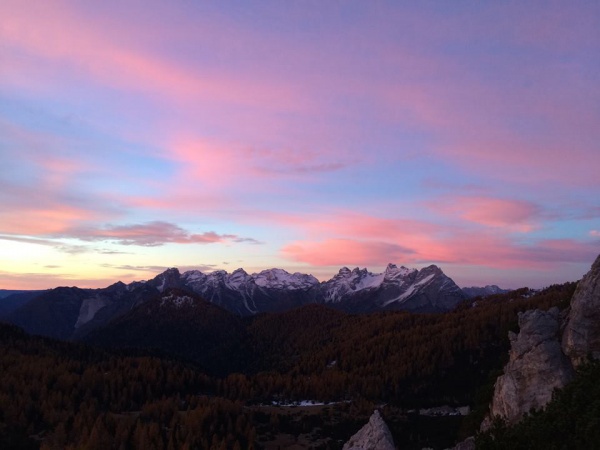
(305, 135)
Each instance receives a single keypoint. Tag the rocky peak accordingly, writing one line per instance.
(360, 272)
(117, 287)
(238, 275)
(431, 269)
(536, 367)
(239, 272)
(344, 271)
(170, 278)
(219, 274)
(375, 435)
(582, 331)
(392, 271)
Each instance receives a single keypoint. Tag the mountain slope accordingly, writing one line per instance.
(12, 300)
(181, 324)
(52, 314)
(71, 312)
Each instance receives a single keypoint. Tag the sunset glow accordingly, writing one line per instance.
(302, 135)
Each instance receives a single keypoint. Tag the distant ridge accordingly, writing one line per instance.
(475, 291)
(71, 312)
(356, 290)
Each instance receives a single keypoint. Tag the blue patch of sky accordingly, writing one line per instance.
(78, 139)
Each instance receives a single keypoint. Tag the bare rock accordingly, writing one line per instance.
(582, 331)
(536, 367)
(375, 435)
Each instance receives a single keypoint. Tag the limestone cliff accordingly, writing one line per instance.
(582, 332)
(542, 360)
(375, 435)
(536, 367)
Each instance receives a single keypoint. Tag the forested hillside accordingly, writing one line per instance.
(61, 395)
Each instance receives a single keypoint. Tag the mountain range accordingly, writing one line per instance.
(71, 312)
(165, 349)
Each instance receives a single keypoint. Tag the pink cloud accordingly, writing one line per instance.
(595, 233)
(510, 214)
(39, 221)
(341, 252)
(248, 97)
(476, 250)
(128, 57)
(345, 238)
(352, 224)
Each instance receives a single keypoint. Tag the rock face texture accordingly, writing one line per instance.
(375, 435)
(582, 332)
(536, 367)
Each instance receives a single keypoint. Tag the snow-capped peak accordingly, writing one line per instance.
(392, 271)
(237, 278)
(281, 279)
(348, 281)
(344, 271)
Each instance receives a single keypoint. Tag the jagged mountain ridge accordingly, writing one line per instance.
(357, 290)
(71, 313)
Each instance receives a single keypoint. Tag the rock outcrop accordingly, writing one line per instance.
(375, 435)
(536, 367)
(542, 360)
(582, 331)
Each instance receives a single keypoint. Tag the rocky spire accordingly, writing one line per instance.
(375, 435)
(536, 367)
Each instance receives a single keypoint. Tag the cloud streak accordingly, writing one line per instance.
(60, 246)
(152, 234)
